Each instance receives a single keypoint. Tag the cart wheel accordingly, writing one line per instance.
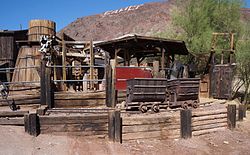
(155, 108)
(143, 108)
(195, 104)
(184, 105)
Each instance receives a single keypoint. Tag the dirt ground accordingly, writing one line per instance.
(15, 141)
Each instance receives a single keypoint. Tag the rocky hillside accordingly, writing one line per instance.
(145, 19)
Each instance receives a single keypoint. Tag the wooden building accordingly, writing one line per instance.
(9, 50)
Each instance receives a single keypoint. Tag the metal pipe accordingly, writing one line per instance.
(18, 68)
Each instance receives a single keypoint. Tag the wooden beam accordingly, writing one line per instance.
(63, 60)
(231, 116)
(92, 62)
(111, 125)
(186, 121)
(42, 83)
(241, 112)
(162, 58)
(118, 127)
(13, 113)
(108, 72)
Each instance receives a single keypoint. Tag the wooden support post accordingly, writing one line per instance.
(162, 59)
(162, 72)
(92, 62)
(113, 65)
(156, 69)
(26, 123)
(118, 127)
(42, 83)
(108, 72)
(111, 125)
(231, 116)
(245, 110)
(31, 124)
(63, 60)
(48, 88)
(186, 123)
(115, 126)
(222, 58)
(241, 112)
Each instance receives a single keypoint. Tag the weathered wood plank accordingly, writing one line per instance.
(85, 133)
(149, 127)
(202, 132)
(209, 126)
(165, 134)
(12, 121)
(111, 125)
(149, 120)
(118, 127)
(206, 122)
(212, 117)
(13, 113)
(34, 125)
(231, 116)
(207, 113)
(186, 121)
(75, 127)
(73, 119)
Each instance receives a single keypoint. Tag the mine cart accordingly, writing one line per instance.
(146, 93)
(183, 92)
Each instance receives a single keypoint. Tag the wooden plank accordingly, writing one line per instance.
(213, 121)
(34, 124)
(186, 121)
(73, 119)
(165, 134)
(13, 113)
(212, 117)
(209, 126)
(111, 125)
(108, 73)
(118, 127)
(48, 88)
(42, 83)
(12, 121)
(202, 132)
(206, 113)
(75, 127)
(241, 112)
(149, 127)
(150, 120)
(79, 103)
(85, 133)
(76, 95)
(231, 116)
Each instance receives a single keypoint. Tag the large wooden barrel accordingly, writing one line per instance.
(26, 76)
(41, 27)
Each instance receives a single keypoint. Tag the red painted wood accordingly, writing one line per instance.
(122, 74)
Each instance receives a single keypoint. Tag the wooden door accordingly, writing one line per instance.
(221, 84)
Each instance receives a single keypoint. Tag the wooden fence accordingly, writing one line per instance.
(120, 127)
(85, 125)
(150, 127)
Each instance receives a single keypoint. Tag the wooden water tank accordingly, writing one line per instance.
(41, 27)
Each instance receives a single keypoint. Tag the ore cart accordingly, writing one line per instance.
(146, 93)
(183, 92)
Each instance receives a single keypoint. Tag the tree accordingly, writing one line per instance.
(242, 57)
(198, 19)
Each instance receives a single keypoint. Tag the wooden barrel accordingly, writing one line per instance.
(41, 27)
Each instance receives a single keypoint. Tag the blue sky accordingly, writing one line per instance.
(17, 13)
